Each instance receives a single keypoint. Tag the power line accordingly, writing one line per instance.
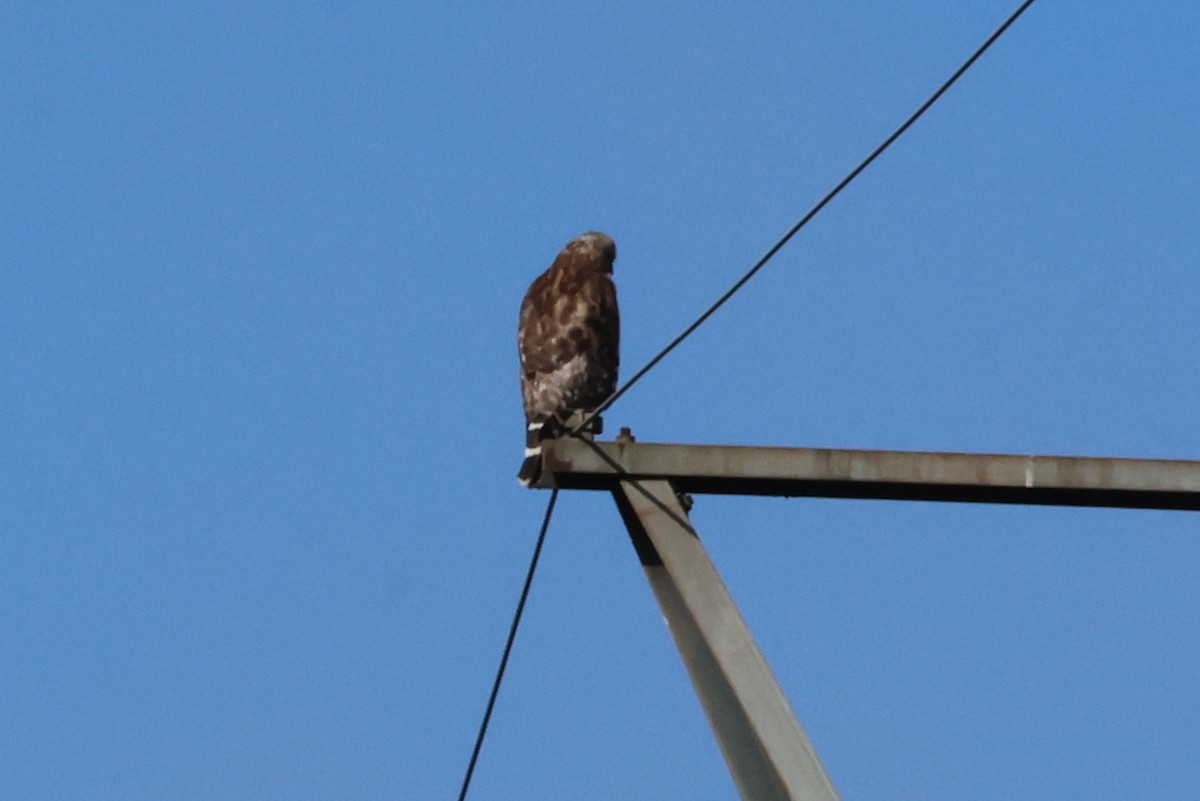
(816, 209)
(512, 636)
(916, 115)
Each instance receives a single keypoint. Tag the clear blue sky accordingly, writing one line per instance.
(260, 266)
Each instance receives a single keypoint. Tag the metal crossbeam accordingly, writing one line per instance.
(897, 475)
(765, 747)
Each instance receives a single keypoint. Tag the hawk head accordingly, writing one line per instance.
(595, 247)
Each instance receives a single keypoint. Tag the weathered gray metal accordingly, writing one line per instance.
(909, 475)
(766, 749)
(764, 746)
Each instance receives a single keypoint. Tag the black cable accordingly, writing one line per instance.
(516, 622)
(512, 635)
(916, 115)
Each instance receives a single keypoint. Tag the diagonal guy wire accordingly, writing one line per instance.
(512, 636)
(916, 115)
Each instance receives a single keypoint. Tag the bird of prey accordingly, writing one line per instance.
(567, 339)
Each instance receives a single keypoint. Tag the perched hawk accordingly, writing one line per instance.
(567, 340)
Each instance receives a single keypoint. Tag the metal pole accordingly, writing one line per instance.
(764, 745)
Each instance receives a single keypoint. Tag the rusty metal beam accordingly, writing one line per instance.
(903, 475)
(768, 754)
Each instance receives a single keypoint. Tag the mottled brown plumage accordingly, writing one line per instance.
(568, 338)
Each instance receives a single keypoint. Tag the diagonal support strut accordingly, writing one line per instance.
(767, 751)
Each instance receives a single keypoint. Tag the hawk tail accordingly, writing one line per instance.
(539, 431)
(531, 468)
